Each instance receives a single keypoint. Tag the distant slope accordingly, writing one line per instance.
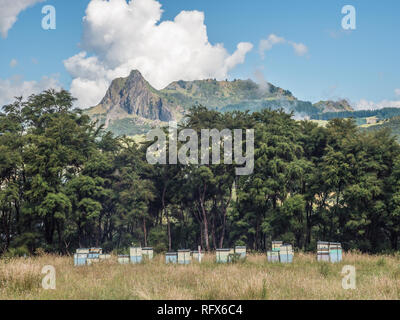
(333, 106)
(381, 114)
(393, 124)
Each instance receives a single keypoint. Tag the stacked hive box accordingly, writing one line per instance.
(323, 251)
(123, 259)
(104, 256)
(135, 254)
(276, 245)
(80, 257)
(280, 252)
(147, 253)
(273, 256)
(335, 252)
(222, 255)
(94, 255)
(184, 257)
(240, 251)
(286, 254)
(171, 257)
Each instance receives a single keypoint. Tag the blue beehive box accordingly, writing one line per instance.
(286, 254)
(136, 255)
(335, 252)
(171, 257)
(93, 255)
(80, 259)
(136, 259)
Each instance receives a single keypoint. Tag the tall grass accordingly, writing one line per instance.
(252, 279)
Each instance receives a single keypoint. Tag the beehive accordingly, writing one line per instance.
(171, 257)
(273, 256)
(136, 254)
(80, 259)
(323, 251)
(82, 251)
(196, 254)
(96, 250)
(276, 245)
(104, 256)
(335, 252)
(147, 253)
(184, 257)
(222, 255)
(123, 259)
(286, 254)
(241, 251)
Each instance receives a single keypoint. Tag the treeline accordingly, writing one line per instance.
(385, 113)
(65, 183)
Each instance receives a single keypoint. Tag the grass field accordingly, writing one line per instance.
(378, 277)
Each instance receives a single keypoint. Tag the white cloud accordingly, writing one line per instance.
(9, 11)
(299, 48)
(397, 92)
(267, 44)
(13, 63)
(123, 36)
(16, 86)
(371, 105)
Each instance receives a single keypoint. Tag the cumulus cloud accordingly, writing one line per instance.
(9, 11)
(120, 36)
(267, 44)
(371, 105)
(272, 40)
(13, 63)
(16, 86)
(299, 48)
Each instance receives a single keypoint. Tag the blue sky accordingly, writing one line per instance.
(362, 64)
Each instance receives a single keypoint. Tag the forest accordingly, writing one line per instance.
(66, 183)
(385, 113)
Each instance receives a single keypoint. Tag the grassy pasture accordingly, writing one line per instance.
(378, 277)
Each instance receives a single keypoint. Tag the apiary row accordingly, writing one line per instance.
(326, 251)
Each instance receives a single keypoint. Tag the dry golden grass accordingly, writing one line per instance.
(378, 277)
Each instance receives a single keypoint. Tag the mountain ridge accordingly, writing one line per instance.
(132, 106)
